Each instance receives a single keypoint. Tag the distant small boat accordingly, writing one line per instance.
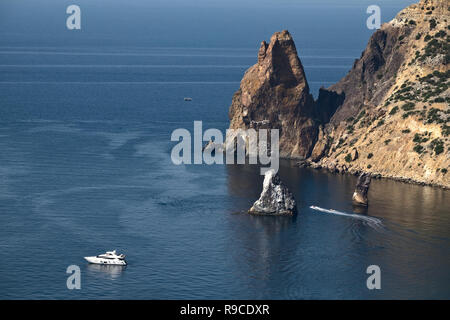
(187, 99)
(110, 257)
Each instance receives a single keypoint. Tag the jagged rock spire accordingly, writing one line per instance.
(362, 189)
(274, 94)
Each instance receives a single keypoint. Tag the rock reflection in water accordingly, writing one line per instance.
(359, 209)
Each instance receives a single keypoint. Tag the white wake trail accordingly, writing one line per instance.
(371, 221)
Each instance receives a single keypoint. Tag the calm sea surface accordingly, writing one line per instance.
(85, 167)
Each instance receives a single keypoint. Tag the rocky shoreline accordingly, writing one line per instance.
(389, 116)
(343, 169)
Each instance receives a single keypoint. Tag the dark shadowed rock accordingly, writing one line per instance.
(361, 85)
(275, 199)
(302, 163)
(354, 154)
(362, 188)
(327, 104)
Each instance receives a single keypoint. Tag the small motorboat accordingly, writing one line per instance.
(187, 99)
(108, 258)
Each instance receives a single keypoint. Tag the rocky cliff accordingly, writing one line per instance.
(274, 94)
(389, 116)
(395, 116)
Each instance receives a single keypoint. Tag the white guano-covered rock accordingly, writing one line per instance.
(275, 199)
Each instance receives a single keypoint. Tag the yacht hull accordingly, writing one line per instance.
(97, 260)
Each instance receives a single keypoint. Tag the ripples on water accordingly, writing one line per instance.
(370, 221)
(86, 168)
(73, 189)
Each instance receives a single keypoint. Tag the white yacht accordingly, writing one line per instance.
(110, 257)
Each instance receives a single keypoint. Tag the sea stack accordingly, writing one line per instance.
(274, 94)
(275, 199)
(362, 188)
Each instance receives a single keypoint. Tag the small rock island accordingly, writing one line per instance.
(362, 188)
(275, 199)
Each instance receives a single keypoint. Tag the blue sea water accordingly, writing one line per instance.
(85, 124)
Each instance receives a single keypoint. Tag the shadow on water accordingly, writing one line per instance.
(360, 209)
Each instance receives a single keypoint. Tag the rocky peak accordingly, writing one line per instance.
(425, 6)
(274, 94)
(281, 57)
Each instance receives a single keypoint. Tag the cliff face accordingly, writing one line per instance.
(388, 116)
(274, 94)
(375, 73)
(397, 102)
(381, 58)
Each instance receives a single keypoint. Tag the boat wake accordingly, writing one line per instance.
(371, 221)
